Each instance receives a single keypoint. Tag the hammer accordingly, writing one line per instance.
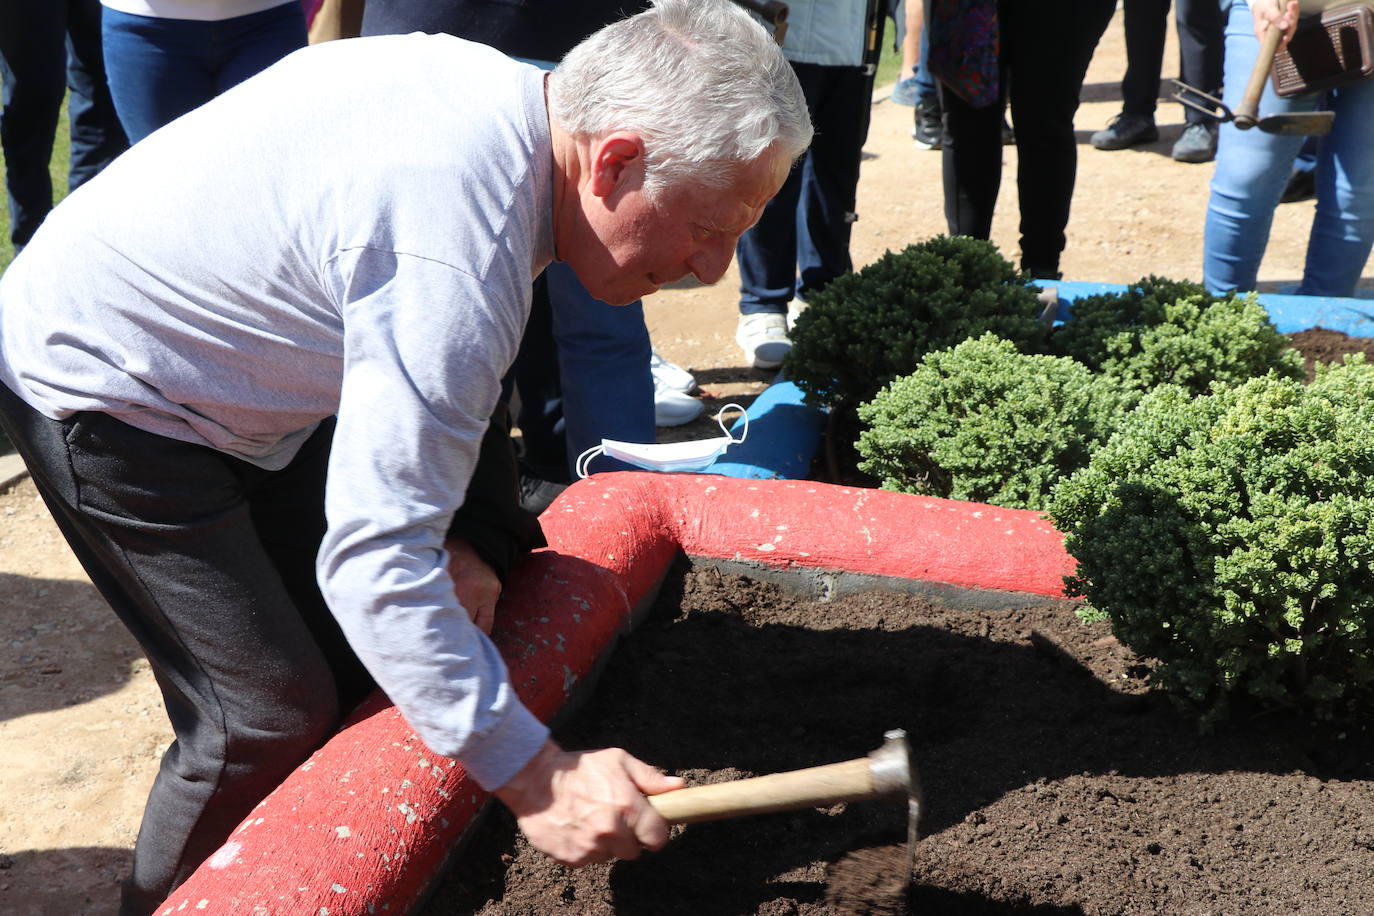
(888, 772)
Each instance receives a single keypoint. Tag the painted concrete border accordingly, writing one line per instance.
(363, 826)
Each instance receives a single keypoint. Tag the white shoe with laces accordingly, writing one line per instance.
(667, 375)
(763, 339)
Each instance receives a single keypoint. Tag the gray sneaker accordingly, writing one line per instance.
(1126, 130)
(1197, 143)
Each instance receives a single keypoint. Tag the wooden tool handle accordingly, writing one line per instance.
(1247, 112)
(809, 788)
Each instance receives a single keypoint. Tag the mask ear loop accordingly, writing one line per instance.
(744, 432)
(584, 459)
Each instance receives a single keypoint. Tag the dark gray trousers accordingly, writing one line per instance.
(210, 563)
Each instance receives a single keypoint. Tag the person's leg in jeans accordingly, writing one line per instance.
(1044, 99)
(250, 44)
(253, 670)
(1343, 228)
(830, 175)
(767, 253)
(96, 135)
(155, 68)
(32, 67)
(159, 69)
(603, 368)
(1251, 170)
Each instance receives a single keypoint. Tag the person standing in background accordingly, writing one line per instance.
(1034, 56)
(166, 57)
(801, 242)
(47, 47)
(1200, 47)
(1253, 168)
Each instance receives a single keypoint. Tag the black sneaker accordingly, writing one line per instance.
(929, 130)
(1197, 143)
(1126, 130)
(536, 493)
(1302, 185)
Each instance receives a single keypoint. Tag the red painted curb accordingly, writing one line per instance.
(362, 826)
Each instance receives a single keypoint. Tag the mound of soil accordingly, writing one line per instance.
(1323, 345)
(1056, 781)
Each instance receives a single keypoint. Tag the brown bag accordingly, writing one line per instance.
(1329, 50)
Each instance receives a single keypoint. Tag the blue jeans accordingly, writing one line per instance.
(47, 46)
(804, 230)
(583, 375)
(159, 69)
(1253, 168)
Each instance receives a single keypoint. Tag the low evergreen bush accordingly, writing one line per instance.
(984, 422)
(867, 328)
(1164, 332)
(1231, 537)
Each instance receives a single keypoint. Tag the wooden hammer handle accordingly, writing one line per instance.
(809, 788)
(1247, 112)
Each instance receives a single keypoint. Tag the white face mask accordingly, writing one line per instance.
(693, 455)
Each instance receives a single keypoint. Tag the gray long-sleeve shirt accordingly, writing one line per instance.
(352, 232)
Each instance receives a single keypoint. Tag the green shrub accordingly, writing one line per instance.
(867, 328)
(1231, 537)
(983, 422)
(1163, 332)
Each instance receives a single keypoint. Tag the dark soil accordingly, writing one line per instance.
(1056, 781)
(1321, 345)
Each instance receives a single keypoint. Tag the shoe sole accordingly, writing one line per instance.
(1113, 145)
(1195, 158)
(767, 355)
(677, 419)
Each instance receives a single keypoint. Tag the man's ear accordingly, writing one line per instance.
(616, 158)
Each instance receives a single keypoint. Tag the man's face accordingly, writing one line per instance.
(634, 245)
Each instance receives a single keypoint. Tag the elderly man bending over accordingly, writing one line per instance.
(353, 234)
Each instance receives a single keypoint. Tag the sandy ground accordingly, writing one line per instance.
(81, 724)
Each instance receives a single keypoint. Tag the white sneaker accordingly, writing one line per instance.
(667, 375)
(763, 338)
(673, 408)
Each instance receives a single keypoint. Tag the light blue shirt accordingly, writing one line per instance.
(378, 211)
(826, 32)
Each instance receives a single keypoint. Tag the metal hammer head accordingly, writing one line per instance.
(894, 768)
(894, 773)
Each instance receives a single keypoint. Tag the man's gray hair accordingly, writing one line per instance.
(701, 81)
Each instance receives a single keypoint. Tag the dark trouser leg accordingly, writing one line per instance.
(32, 68)
(97, 137)
(250, 664)
(535, 374)
(1201, 48)
(1147, 27)
(1044, 98)
(839, 101)
(972, 164)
